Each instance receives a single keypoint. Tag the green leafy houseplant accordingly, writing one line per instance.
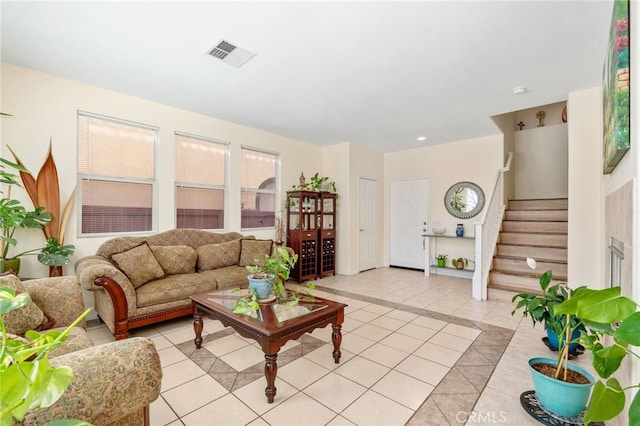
(611, 330)
(55, 254)
(278, 267)
(460, 262)
(441, 259)
(14, 215)
(28, 379)
(318, 183)
(541, 307)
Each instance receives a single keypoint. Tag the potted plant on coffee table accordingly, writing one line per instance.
(267, 281)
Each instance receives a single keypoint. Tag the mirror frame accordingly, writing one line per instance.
(464, 215)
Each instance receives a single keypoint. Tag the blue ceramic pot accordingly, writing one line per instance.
(553, 339)
(262, 286)
(459, 230)
(561, 398)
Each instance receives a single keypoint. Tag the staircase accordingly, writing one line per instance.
(530, 228)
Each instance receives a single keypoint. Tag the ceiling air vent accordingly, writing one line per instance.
(230, 54)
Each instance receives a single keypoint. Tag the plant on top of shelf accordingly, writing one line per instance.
(317, 183)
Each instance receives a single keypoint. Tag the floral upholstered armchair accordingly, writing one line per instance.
(113, 384)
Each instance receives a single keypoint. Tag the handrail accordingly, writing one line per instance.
(486, 233)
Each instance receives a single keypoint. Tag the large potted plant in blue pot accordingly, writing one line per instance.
(612, 331)
(561, 388)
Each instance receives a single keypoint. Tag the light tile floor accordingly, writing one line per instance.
(416, 350)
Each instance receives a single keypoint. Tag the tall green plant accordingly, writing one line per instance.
(28, 379)
(612, 330)
(541, 307)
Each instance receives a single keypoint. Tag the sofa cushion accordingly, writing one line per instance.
(228, 277)
(213, 256)
(175, 259)
(28, 317)
(138, 264)
(174, 287)
(253, 252)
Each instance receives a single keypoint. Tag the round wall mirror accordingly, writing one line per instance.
(464, 200)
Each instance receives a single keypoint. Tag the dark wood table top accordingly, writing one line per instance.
(271, 319)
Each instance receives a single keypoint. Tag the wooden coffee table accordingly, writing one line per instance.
(272, 326)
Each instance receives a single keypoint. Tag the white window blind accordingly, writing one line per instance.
(201, 182)
(116, 168)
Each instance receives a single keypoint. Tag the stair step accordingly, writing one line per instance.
(519, 266)
(541, 204)
(537, 215)
(534, 226)
(540, 254)
(515, 283)
(501, 295)
(540, 240)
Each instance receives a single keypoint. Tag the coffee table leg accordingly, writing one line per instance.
(197, 326)
(270, 372)
(336, 337)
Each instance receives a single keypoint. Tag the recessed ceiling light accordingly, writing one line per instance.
(422, 138)
(519, 90)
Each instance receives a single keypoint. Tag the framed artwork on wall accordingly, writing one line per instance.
(616, 88)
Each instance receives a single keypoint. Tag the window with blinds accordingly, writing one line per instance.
(116, 170)
(201, 182)
(259, 180)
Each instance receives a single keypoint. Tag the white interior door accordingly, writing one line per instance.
(408, 218)
(367, 224)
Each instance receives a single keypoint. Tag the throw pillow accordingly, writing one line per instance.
(253, 252)
(214, 256)
(138, 264)
(28, 317)
(175, 259)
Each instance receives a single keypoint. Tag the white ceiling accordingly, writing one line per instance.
(372, 73)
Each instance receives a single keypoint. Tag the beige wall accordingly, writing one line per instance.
(540, 163)
(46, 106)
(474, 160)
(586, 199)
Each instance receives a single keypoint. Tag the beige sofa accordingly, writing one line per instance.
(133, 364)
(139, 281)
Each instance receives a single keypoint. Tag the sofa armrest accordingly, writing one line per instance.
(95, 273)
(110, 382)
(91, 267)
(60, 298)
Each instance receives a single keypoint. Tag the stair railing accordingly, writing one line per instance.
(486, 234)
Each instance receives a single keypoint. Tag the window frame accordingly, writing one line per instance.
(103, 178)
(225, 187)
(275, 192)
